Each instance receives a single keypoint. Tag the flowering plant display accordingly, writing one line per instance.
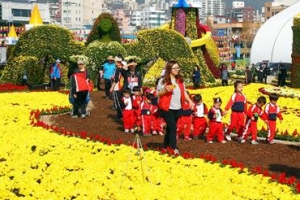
(180, 23)
(38, 164)
(295, 78)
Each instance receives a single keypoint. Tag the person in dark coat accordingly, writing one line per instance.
(196, 77)
(282, 75)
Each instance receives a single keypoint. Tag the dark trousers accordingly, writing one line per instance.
(107, 83)
(224, 82)
(55, 84)
(196, 84)
(80, 103)
(117, 95)
(98, 84)
(171, 117)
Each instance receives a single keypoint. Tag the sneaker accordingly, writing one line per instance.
(126, 130)
(132, 130)
(176, 152)
(154, 133)
(83, 116)
(271, 142)
(242, 141)
(88, 112)
(186, 138)
(74, 116)
(254, 142)
(161, 133)
(228, 137)
(223, 141)
(210, 142)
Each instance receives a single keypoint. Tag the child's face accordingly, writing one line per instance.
(199, 102)
(126, 95)
(217, 105)
(239, 88)
(273, 102)
(137, 93)
(260, 104)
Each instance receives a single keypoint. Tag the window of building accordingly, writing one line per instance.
(21, 12)
(268, 9)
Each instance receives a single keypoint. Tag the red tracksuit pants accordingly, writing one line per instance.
(200, 125)
(271, 130)
(215, 129)
(146, 123)
(128, 119)
(250, 127)
(237, 121)
(156, 124)
(184, 125)
(138, 118)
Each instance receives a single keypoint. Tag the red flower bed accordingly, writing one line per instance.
(9, 87)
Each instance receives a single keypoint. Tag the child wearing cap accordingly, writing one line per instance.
(215, 122)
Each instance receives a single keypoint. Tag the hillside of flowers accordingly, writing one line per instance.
(39, 164)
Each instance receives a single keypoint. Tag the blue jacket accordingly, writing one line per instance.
(108, 70)
(55, 71)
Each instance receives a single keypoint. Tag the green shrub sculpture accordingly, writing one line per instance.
(168, 44)
(15, 69)
(46, 40)
(104, 29)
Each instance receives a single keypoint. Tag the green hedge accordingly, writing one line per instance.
(46, 40)
(114, 33)
(14, 70)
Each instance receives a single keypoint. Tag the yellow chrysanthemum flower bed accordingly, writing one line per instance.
(39, 164)
(289, 106)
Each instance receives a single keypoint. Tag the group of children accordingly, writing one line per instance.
(141, 111)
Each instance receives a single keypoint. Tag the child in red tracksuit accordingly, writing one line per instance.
(157, 121)
(199, 122)
(272, 111)
(147, 110)
(254, 111)
(128, 112)
(238, 105)
(215, 122)
(136, 104)
(184, 123)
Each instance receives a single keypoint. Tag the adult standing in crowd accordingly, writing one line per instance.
(79, 89)
(254, 72)
(224, 74)
(109, 68)
(261, 72)
(116, 87)
(282, 75)
(265, 73)
(55, 74)
(131, 76)
(196, 77)
(171, 96)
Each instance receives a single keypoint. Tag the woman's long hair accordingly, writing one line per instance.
(168, 69)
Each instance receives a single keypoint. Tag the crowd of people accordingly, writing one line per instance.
(184, 116)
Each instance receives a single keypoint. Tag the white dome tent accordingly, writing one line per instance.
(274, 39)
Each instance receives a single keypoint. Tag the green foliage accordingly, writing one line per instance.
(97, 52)
(15, 68)
(167, 44)
(114, 34)
(206, 75)
(46, 40)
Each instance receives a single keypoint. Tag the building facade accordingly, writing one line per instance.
(149, 17)
(212, 7)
